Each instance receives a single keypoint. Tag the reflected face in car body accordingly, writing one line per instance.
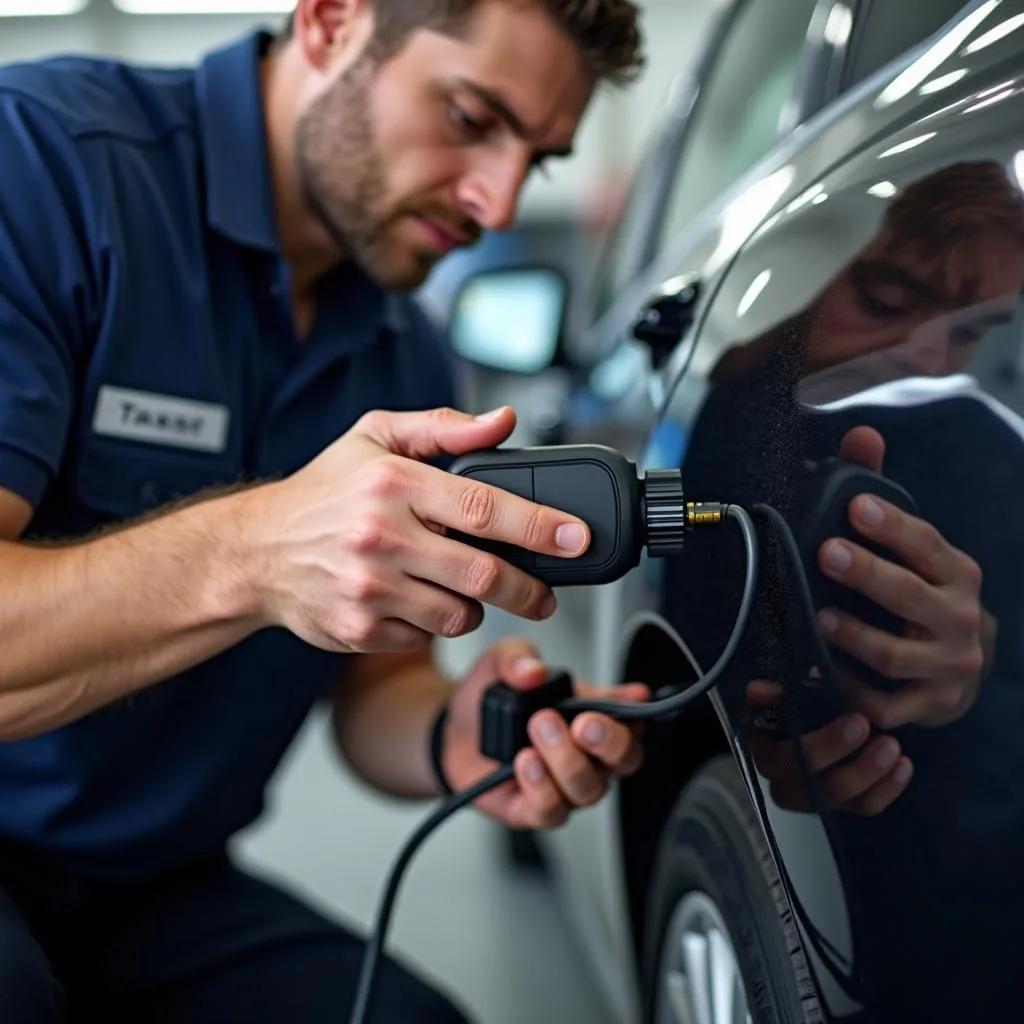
(888, 299)
(946, 265)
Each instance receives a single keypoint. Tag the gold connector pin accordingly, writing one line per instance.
(703, 513)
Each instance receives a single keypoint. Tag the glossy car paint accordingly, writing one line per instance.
(914, 913)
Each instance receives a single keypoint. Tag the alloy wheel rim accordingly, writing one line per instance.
(699, 981)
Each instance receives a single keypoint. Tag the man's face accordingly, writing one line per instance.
(927, 314)
(405, 160)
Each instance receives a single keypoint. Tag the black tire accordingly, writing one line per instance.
(714, 845)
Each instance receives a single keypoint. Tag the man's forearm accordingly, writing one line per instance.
(382, 718)
(85, 624)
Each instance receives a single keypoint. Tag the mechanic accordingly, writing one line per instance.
(223, 431)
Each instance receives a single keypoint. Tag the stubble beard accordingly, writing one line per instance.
(342, 177)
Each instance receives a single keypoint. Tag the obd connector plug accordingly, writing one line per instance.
(505, 713)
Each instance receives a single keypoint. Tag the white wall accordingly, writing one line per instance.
(610, 139)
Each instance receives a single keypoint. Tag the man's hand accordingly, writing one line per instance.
(950, 638)
(350, 552)
(567, 766)
(866, 784)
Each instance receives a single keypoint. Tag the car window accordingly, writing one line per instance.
(736, 120)
(890, 29)
(623, 250)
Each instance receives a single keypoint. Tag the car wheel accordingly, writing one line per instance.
(722, 945)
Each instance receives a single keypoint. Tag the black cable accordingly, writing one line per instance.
(850, 979)
(785, 534)
(361, 1009)
(669, 705)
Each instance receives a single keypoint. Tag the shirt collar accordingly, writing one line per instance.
(239, 198)
(348, 293)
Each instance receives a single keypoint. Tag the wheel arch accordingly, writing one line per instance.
(675, 749)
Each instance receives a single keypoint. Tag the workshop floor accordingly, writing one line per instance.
(491, 934)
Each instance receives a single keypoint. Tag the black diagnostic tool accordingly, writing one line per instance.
(825, 512)
(602, 487)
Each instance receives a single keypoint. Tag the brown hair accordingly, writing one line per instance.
(957, 202)
(940, 218)
(606, 32)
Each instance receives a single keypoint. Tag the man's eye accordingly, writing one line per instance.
(465, 122)
(877, 306)
(882, 298)
(965, 335)
(883, 301)
(542, 166)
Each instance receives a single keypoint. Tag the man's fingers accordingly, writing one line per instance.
(541, 805)
(822, 748)
(482, 576)
(760, 692)
(613, 743)
(893, 656)
(915, 702)
(577, 777)
(480, 510)
(390, 636)
(850, 781)
(826, 746)
(864, 787)
(628, 693)
(519, 664)
(864, 445)
(915, 540)
(432, 609)
(892, 586)
(425, 435)
(882, 794)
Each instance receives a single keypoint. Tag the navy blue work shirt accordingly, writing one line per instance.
(147, 351)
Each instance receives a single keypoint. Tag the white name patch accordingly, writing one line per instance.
(161, 419)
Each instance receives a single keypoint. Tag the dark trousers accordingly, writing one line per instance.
(210, 945)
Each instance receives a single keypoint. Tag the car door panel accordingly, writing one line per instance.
(889, 297)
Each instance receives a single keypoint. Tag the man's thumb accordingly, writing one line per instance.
(864, 445)
(425, 435)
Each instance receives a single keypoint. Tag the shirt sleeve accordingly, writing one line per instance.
(45, 288)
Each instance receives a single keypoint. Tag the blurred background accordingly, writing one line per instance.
(466, 918)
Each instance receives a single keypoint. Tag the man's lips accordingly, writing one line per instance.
(441, 236)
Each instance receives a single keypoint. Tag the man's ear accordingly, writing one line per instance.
(329, 31)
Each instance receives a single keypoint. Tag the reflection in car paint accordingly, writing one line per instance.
(927, 842)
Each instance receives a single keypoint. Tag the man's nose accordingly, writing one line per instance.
(930, 356)
(490, 191)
